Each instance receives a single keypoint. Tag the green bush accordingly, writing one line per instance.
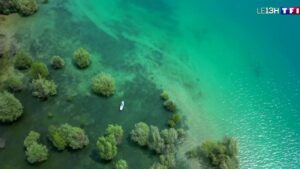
(57, 62)
(14, 84)
(26, 7)
(67, 135)
(36, 153)
(170, 106)
(31, 138)
(164, 96)
(193, 153)
(168, 160)
(116, 131)
(181, 134)
(170, 136)
(221, 154)
(121, 164)
(10, 107)
(158, 166)
(43, 88)
(23, 61)
(103, 84)
(75, 136)
(39, 69)
(107, 147)
(174, 120)
(57, 138)
(82, 58)
(140, 133)
(156, 142)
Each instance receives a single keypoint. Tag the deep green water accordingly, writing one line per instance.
(230, 71)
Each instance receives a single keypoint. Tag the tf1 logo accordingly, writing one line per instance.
(277, 11)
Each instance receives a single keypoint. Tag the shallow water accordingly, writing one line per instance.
(230, 71)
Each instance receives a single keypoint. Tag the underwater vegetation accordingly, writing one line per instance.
(121, 164)
(26, 7)
(66, 135)
(82, 58)
(107, 145)
(163, 142)
(140, 133)
(23, 7)
(170, 106)
(116, 131)
(103, 84)
(164, 96)
(43, 88)
(220, 154)
(174, 120)
(57, 62)
(31, 138)
(35, 152)
(23, 61)
(157, 165)
(168, 160)
(10, 107)
(39, 69)
(14, 83)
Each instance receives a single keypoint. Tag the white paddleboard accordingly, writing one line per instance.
(122, 105)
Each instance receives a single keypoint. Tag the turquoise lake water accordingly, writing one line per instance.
(231, 72)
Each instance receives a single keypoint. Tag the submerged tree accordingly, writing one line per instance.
(82, 58)
(39, 69)
(35, 152)
(103, 84)
(57, 137)
(57, 62)
(14, 83)
(10, 107)
(43, 88)
(140, 133)
(170, 136)
(164, 96)
(107, 147)
(116, 131)
(23, 61)
(170, 106)
(31, 138)
(168, 160)
(220, 154)
(26, 7)
(121, 164)
(158, 166)
(174, 120)
(155, 142)
(67, 135)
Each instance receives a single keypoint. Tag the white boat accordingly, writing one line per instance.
(122, 105)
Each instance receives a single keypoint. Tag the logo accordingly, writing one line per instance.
(278, 11)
